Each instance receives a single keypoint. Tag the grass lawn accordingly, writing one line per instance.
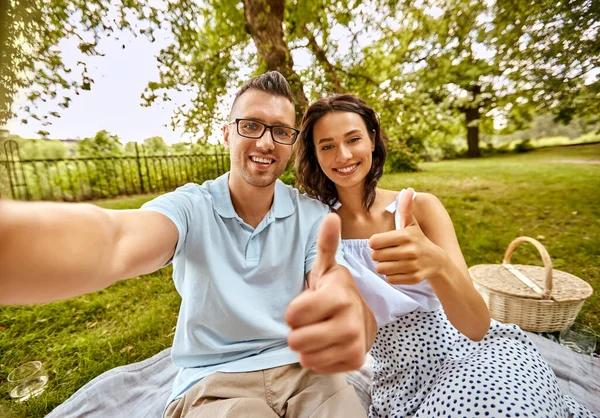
(491, 201)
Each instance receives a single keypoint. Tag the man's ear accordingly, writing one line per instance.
(226, 136)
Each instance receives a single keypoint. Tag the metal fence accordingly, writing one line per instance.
(80, 179)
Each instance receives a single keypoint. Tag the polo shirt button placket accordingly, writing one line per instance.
(252, 251)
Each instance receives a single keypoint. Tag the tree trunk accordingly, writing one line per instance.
(472, 116)
(6, 57)
(264, 22)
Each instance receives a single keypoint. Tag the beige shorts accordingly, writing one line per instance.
(287, 391)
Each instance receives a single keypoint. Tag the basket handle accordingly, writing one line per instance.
(545, 259)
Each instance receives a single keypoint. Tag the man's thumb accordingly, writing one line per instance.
(327, 243)
(405, 208)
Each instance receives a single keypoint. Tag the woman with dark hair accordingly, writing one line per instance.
(436, 353)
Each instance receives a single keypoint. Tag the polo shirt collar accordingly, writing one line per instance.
(282, 203)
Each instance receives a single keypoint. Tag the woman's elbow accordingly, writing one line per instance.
(479, 332)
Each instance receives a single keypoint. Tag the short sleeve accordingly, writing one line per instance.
(311, 254)
(179, 206)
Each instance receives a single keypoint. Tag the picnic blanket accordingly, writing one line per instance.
(142, 389)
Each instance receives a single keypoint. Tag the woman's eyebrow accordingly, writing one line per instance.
(352, 132)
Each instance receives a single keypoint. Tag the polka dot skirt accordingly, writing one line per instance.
(423, 367)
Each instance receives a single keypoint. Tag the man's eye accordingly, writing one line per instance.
(250, 126)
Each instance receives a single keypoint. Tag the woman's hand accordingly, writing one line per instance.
(409, 256)
(406, 255)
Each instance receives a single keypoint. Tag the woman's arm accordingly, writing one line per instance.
(452, 283)
(427, 248)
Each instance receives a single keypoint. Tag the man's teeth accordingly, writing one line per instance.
(261, 160)
(346, 169)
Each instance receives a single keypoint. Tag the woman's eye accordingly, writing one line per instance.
(327, 147)
(354, 139)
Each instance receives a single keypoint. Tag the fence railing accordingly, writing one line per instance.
(80, 179)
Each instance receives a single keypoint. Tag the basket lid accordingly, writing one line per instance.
(496, 277)
(530, 282)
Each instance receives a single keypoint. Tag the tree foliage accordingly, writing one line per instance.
(486, 60)
(31, 32)
(435, 71)
(103, 144)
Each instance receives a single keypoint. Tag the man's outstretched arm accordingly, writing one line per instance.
(52, 251)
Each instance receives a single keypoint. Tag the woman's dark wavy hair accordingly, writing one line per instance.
(309, 175)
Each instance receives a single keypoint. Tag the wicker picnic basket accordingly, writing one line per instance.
(538, 299)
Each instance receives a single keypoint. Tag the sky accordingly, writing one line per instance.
(114, 101)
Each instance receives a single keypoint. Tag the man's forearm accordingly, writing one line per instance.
(52, 250)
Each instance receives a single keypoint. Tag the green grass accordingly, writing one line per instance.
(491, 201)
(555, 141)
(494, 200)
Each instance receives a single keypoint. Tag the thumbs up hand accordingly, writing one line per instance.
(405, 209)
(332, 328)
(406, 255)
(327, 243)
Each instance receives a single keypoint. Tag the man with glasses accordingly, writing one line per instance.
(251, 340)
(254, 129)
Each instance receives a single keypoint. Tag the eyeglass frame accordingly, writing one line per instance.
(266, 127)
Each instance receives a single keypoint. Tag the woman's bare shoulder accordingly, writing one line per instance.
(428, 209)
(422, 199)
(427, 199)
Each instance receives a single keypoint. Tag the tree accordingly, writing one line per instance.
(180, 147)
(155, 146)
(30, 57)
(43, 149)
(130, 148)
(552, 48)
(210, 55)
(422, 65)
(492, 59)
(103, 144)
(207, 148)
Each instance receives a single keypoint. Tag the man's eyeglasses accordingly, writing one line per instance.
(249, 128)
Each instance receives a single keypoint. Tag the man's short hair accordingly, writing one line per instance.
(272, 82)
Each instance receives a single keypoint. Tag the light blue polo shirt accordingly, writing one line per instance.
(236, 281)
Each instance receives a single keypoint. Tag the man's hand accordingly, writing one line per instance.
(406, 255)
(332, 328)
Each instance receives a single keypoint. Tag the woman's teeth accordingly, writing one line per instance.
(346, 169)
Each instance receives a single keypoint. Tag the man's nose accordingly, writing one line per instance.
(266, 141)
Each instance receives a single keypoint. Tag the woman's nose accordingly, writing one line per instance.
(343, 154)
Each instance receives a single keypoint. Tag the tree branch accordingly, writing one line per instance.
(330, 69)
(357, 75)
